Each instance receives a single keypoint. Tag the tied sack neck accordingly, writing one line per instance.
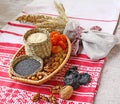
(95, 43)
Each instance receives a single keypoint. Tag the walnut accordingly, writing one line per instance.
(36, 97)
(56, 89)
(40, 75)
(52, 99)
(66, 92)
(44, 98)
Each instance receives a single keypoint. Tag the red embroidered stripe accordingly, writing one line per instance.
(20, 25)
(13, 33)
(78, 18)
(8, 45)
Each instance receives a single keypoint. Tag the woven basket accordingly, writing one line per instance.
(41, 49)
(20, 58)
(21, 51)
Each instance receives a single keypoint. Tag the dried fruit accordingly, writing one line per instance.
(56, 49)
(85, 78)
(58, 41)
(66, 92)
(75, 79)
(72, 78)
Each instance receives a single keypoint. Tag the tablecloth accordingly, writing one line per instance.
(88, 14)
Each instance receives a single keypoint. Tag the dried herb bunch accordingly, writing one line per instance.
(47, 22)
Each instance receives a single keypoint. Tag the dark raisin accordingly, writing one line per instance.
(84, 78)
(71, 81)
(72, 70)
(72, 77)
(75, 79)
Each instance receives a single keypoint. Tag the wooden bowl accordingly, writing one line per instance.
(21, 51)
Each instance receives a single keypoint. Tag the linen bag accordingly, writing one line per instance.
(96, 44)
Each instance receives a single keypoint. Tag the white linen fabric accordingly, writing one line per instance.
(103, 13)
(87, 13)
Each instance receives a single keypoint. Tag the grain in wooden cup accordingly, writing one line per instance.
(37, 43)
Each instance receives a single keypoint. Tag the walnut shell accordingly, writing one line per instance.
(66, 92)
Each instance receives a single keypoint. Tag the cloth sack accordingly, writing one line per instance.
(95, 43)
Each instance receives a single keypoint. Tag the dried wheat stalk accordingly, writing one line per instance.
(46, 22)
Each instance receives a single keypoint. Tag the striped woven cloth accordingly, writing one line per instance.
(14, 92)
